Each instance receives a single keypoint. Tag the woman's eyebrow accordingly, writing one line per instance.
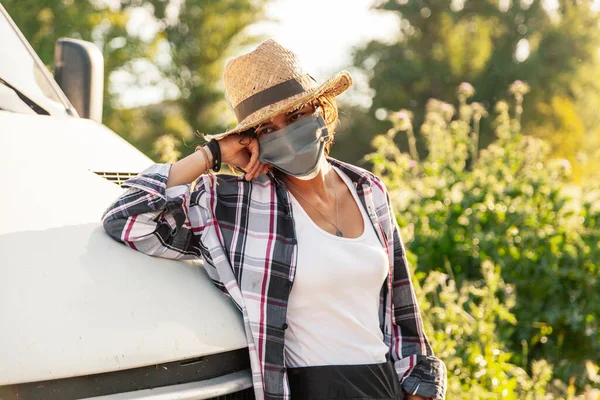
(297, 110)
(269, 123)
(265, 125)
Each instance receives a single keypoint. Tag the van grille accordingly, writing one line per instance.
(116, 177)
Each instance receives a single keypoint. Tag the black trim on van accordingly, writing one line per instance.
(184, 371)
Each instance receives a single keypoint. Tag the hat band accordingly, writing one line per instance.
(267, 97)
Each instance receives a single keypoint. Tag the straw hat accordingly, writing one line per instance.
(268, 81)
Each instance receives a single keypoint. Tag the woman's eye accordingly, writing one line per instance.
(296, 116)
(265, 131)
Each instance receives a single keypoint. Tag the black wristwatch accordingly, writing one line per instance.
(215, 149)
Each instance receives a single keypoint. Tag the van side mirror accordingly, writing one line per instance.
(79, 71)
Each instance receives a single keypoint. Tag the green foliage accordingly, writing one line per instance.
(508, 205)
(166, 147)
(43, 22)
(204, 35)
(462, 326)
(560, 122)
(442, 43)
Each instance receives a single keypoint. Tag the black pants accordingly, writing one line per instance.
(370, 381)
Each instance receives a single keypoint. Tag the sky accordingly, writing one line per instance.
(321, 32)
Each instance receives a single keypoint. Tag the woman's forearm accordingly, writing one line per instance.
(188, 169)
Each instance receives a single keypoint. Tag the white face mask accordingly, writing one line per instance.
(297, 148)
(320, 165)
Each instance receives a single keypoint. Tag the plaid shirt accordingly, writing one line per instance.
(245, 233)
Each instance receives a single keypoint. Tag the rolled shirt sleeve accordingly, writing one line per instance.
(419, 370)
(154, 219)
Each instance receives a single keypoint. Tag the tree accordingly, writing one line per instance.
(188, 48)
(492, 43)
(199, 36)
(43, 22)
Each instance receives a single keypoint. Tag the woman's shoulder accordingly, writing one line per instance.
(359, 174)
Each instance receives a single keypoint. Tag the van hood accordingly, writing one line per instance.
(72, 300)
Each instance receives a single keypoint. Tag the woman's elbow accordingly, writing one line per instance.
(114, 228)
(136, 234)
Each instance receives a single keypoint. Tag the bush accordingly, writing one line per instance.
(464, 334)
(509, 205)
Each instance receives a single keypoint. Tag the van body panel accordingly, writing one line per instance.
(72, 300)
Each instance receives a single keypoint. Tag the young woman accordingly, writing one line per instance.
(306, 246)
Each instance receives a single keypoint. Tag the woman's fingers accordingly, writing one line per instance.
(251, 169)
(254, 163)
(256, 170)
(252, 148)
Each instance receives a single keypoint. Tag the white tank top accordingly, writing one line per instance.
(333, 308)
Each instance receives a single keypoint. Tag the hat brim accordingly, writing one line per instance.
(334, 86)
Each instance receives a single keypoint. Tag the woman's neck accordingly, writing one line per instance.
(318, 187)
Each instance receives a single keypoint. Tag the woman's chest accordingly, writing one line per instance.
(334, 264)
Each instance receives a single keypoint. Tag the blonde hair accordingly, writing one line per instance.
(331, 116)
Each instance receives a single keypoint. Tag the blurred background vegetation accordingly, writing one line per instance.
(485, 124)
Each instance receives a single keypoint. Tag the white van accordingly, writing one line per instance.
(82, 316)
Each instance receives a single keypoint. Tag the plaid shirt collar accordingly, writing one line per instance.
(265, 309)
